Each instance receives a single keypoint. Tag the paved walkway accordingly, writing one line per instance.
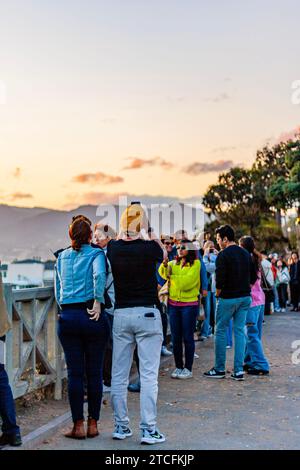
(260, 413)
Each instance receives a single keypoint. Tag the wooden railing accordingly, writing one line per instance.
(34, 357)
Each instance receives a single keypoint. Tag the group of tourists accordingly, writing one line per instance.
(117, 294)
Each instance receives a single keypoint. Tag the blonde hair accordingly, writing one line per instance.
(133, 220)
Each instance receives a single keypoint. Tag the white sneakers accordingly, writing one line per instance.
(182, 374)
(148, 436)
(121, 432)
(175, 373)
(152, 437)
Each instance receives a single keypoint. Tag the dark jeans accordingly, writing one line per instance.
(295, 293)
(164, 320)
(83, 341)
(7, 405)
(108, 355)
(282, 294)
(267, 309)
(183, 324)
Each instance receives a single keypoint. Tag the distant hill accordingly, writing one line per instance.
(37, 232)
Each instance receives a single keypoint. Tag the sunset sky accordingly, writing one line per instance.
(142, 97)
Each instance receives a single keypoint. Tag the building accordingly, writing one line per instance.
(30, 273)
(3, 271)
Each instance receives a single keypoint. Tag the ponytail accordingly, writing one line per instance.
(80, 233)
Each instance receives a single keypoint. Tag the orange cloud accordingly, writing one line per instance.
(137, 163)
(198, 168)
(99, 177)
(15, 196)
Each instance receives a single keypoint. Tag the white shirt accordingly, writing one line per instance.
(267, 267)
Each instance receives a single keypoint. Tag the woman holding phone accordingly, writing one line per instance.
(183, 275)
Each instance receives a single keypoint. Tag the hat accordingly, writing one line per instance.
(132, 219)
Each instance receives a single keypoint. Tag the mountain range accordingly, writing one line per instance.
(38, 232)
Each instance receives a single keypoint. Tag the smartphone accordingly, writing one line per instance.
(149, 315)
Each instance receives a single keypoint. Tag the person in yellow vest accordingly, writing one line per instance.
(183, 275)
(10, 430)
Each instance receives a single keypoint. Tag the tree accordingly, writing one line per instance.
(249, 199)
(292, 186)
(270, 172)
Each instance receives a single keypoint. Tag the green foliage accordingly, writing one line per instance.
(249, 199)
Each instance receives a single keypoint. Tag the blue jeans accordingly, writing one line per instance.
(229, 334)
(83, 341)
(254, 356)
(228, 309)
(7, 405)
(276, 298)
(183, 324)
(209, 310)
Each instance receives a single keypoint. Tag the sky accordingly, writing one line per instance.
(142, 97)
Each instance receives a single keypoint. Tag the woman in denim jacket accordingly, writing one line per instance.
(83, 327)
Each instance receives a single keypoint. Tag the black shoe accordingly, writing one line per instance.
(239, 376)
(257, 372)
(14, 440)
(246, 367)
(214, 374)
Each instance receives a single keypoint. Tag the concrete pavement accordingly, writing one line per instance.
(201, 413)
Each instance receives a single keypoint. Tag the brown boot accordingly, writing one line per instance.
(92, 430)
(78, 431)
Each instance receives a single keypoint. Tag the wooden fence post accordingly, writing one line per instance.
(8, 296)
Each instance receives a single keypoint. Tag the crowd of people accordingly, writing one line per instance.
(117, 296)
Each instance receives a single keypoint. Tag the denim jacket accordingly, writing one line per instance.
(80, 275)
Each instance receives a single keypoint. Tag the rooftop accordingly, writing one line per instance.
(28, 261)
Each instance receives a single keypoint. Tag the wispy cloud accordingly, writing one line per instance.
(176, 99)
(94, 178)
(137, 163)
(16, 196)
(224, 149)
(198, 168)
(219, 98)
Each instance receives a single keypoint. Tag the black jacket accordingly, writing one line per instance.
(235, 272)
(295, 273)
